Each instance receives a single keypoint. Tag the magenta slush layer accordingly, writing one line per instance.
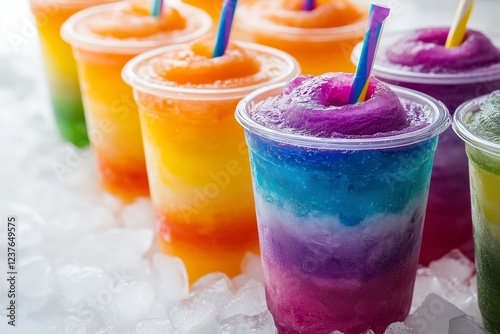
(452, 75)
(340, 230)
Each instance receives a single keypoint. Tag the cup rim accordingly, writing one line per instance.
(440, 123)
(73, 3)
(129, 75)
(460, 120)
(86, 42)
(397, 74)
(314, 34)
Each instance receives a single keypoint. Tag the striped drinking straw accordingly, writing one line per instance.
(459, 27)
(224, 29)
(157, 8)
(370, 45)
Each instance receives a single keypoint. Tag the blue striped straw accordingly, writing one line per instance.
(367, 58)
(224, 29)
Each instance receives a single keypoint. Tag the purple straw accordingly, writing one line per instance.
(309, 5)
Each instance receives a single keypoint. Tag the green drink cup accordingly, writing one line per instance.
(477, 122)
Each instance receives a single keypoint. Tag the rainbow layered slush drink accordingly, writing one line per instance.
(418, 60)
(195, 151)
(60, 65)
(104, 39)
(321, 40)
(340, 194)
(478, 124)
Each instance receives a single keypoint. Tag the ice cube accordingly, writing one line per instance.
(252, 266)
(471, 307)
(214, 287)
(250, 300)
(34, 294)
(398, 328)
(114, 247)
(174, 284)
(425, 283)
(433, 316)
(132, 302)
(39, 267)
(454, 266)
(139, 214)
(155, 326)
(465, 325)
(243, 324)
(77, 283)
(194, 316)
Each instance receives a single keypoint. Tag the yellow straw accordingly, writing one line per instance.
(459, 27)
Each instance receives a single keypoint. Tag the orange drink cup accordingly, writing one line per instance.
(321, 40)
(60, 65)
(212, 7)
(199, 174)
(104, 39)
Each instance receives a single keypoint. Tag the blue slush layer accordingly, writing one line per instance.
(340, 209)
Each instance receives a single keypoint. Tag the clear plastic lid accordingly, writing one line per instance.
(386, 71)
(132, 75)
(461, 119)
(68, 3)
(70, 33)
(439, 121)
(246, 21)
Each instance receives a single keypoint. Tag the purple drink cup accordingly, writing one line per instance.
(448, 222)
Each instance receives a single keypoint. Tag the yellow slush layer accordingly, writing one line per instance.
(485, 186)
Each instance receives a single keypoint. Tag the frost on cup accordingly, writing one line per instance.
(60, 65)
(104, 38)
(419, 60)
(321, 40)
(477, 122)
(196, 156)
(340, 191)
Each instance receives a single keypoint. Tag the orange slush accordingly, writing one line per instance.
(60, 65)
(196, 155)
(321, 40)
(212, 7)
(104, 39)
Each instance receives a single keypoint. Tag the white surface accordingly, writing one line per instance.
(87, 264)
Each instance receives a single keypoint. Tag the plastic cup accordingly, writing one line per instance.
(340, 220)
(484, 167)
(60, 65)
(318, 50)
(448, 222)
(198, 168)
(113, 119)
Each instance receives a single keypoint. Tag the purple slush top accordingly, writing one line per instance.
(318, 107)
(424, 51)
